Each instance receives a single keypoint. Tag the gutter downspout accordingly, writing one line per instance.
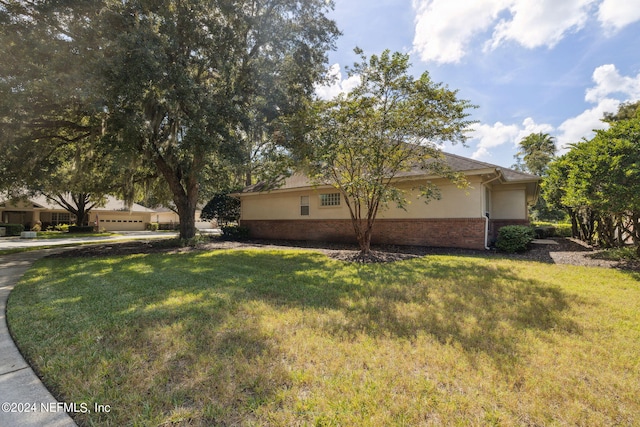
(484, 214)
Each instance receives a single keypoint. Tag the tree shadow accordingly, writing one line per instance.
(484, 309)
(170, 309)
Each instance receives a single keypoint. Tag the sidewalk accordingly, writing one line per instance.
(18, 243)
(19, 385)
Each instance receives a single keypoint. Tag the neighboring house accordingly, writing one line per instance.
(168, 218)
(113, 216)
(462, 218)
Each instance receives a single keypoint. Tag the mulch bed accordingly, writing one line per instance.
(553, 251)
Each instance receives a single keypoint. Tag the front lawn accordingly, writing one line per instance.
(295, 338)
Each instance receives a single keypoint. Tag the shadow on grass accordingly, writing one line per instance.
(477, 305)
(480, 307)
(184, 330)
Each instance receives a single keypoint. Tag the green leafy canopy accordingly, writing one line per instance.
(389, 123)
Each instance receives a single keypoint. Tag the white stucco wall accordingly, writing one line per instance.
(285, 205)
(508, 202)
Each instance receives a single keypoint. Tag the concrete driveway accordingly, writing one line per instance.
(18, 243)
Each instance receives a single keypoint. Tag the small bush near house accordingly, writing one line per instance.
(62, 227)
(171, 226)
(37, 226)
(81, 229)
(514, 238)
(153, 226)
(234, 232)
(13, 229)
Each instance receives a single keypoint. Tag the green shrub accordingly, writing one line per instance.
(81, 229)
(514, 238)
(172, 226)
(13, 229)
(563, 230)
(37, 226)
(544, 230)
(234, 232)
(223, 208)
(153, 226)
(62, 227)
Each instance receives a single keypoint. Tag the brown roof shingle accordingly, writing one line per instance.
(454, 161)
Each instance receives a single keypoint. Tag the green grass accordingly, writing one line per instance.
(626, 253)
(294, 338)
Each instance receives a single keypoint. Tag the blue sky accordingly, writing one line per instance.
(553, 66)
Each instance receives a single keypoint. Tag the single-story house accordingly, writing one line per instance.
(167, 218)
(114, 215)
(463, 217)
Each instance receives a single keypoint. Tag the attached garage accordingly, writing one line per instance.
(113, 215)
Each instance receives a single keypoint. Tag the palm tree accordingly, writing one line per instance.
(536, 152)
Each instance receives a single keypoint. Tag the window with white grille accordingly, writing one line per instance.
(304, 205)
(330, 199)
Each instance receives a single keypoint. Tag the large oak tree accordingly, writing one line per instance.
(176, 84)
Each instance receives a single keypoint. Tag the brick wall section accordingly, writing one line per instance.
(459, 233)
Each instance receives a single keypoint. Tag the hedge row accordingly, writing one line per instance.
(544, 230)
(234, 232)
(81, 229)
(13, 229)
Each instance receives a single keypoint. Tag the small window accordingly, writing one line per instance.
(304, 205)
(330, 199)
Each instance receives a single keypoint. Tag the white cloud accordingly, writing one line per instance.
(492, 136)
(536, 23)
(338, 85)
(615, 14)
(576, 128)
(529, 126)
(609, 81)
(445, 29)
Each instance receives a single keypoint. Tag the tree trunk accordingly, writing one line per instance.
(365, 243)
(361, 238)
(185, 196)
(79, 206)
(187, 222)
(363, 235)
(575, 232)
(187, 204)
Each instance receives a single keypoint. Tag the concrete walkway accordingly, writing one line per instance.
(25, 400)
(18, 243)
